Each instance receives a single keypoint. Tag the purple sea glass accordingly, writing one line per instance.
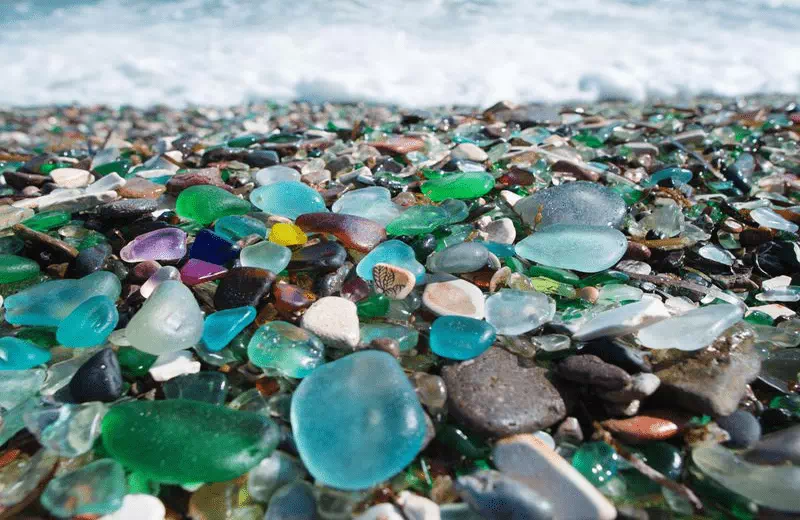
(196, 271)
(161, 244)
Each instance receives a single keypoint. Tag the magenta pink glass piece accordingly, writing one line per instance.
(197, 271)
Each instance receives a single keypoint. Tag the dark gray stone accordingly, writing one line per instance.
(127, 208)
(613, 351)
(710, 381)
(742, 426)
(91, 260)
(777, 448)
(495, 395)
(99, 379)
(591, 370)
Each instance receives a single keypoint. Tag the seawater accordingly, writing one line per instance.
(411, 52)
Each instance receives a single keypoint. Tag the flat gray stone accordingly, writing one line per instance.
(495, 395)
(499, 497)
(591, 370)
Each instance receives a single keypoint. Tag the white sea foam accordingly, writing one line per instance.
(411, 52)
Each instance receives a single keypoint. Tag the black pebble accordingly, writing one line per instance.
(91, 260)
(127, 208)
(611, 351)
(99, 379)
(743, 427)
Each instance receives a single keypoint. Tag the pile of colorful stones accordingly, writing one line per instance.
(330, 312)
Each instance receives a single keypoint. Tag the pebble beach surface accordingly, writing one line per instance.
(303, 312)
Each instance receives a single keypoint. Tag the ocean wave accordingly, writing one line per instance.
(415, 52)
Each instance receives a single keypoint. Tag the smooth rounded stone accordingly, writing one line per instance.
(187, 441)
(272, 473)
(277, 173)
(354, 232)
(97, 488)
(205, 204)
(169, 320)
(714, 253)
(234, 227)
(220, 327)
(617, 353)
(137, 188)
(47, 304)
(89, 324)
(71, 177)
(454, 298)
(468, 152)
(418, 220)
(334, 320)
(494, 395)
(288, 199)
(691, 331)
(497, 496)
(287, 235)
(775, 487)
(501, 231)
(365, 406)
(243, 286)
(167, 244)
(465, 185)
(161, 275)
(766, 217)
(16, 386)
(514, 312)
(460, 258)
(324, 256)
(179, 182)
(710, 381)
(458, 337)
(406, 337)
(392, 252)
(98, 379)
(623, 320)
(127, 208)
(642, 385)
(266, 255)
(580, 203)
(19, 354)
(776, 448)
(591, 370)
(394, 282)
(284, 347)
(17, 268)
(374, 203)
(91, 259)
(294, 501)
(528, 460)
(173, 364)
(588, 249)
(743, 428)
(137, 506)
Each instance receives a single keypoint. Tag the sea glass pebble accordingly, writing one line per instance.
(576, 203)
(364, 405)
(459, 337)
(266, 255)
(18, 354)
(89, 324)
(392, 252)
(221, 327)
(205, 204)
(513, 312)
(290, 350)
(691, 331)
(288, 199)
(162, 244)
(588, 249)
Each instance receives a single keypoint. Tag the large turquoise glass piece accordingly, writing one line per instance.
(374, 203)
(281, 346)
(678, 176)
(221, 327)
(418, 220)
(266, 255)
(46, 304)
(180, 441)
(588, 249)
(392, 252)
(89, 324)
(357, 421)
(97, 488)
(406, 337)
(466, 185)
(288, 199)
(234, 227)
(459, 337)
(18, 354)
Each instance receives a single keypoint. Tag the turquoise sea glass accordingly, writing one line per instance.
(459, 337)
(234, 227)
(221, 327)
(89, 324)
(392, 252)
(583, 248)
(292, 351)
(288, 199)
(18, 354)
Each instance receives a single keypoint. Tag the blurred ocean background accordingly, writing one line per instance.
(411, 52)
